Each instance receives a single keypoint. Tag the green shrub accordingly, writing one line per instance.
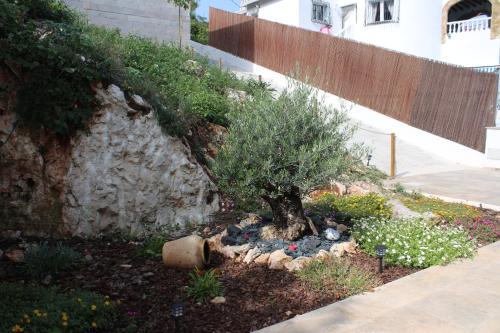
(278, 149)
(337, 277)
(27, 308)
(448, 211)
(413, 242)
(199, 29)
(152, 247)
(204, 285)
(360, 206)
(43, 259)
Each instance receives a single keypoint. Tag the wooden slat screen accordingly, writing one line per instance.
(453, 102)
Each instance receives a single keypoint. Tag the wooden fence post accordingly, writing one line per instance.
(220, 63)
(393, 155)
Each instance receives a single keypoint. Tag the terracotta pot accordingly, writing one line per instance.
(188, 252)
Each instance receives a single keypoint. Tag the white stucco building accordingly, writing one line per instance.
(460, 32)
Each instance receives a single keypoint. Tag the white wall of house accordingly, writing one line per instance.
(285, 12)
(471, 49)
(417, 31)
(157, 19)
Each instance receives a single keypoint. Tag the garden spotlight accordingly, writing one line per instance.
(177, 311)
(380, 251)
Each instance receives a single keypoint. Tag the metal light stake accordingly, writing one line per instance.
(177, 311)
(380, 251)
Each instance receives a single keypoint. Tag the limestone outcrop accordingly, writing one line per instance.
(121, 175)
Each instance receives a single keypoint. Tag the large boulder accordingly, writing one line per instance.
(123, 174)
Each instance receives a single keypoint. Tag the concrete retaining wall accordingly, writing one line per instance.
(157, 19)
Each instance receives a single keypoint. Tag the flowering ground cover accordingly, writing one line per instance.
(414, 242)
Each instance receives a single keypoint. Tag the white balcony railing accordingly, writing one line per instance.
(475, 24)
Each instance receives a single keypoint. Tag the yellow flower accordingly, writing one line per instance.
(106, 303)
(65, 323)
(17, 328)
(106, 297)
(37, 312)
(79, 300)
(25, 316)
(119, 301)
(93, 307)
(65, 316)
(94, 324)
(44, 314)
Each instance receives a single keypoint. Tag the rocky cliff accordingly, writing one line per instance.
(122, 174)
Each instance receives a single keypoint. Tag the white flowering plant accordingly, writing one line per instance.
(414, 242)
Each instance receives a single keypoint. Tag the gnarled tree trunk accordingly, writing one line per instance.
(288, 214)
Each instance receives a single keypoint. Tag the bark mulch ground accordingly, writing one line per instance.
(255, 295)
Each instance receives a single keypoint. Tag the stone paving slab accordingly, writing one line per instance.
(475, 185)
(462, 297)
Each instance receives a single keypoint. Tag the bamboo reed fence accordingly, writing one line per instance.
(453, 102)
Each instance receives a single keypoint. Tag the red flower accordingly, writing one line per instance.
(292, 247)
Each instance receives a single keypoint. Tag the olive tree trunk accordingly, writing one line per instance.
(288, 214)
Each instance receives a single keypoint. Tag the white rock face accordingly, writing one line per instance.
(126, 175)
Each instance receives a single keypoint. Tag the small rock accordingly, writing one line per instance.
(339, 188)
(148, 274)
(88, 257)
(332, 234)
(342, 228)
(207, 230)
(232, 251)
(270, 232)
(126, 266)
(339, 249)
(79, 277)
(15, 255)
(136, 102)
(322, 254)
(311, 244)
(298, 263)
(215, 243)
(252, 255)
(47, 279)
(330, 222)
(263, 259)
(278, 259)
(289, 313)
(218, 300)
(227, 240)
(399, 210)
(233, 231)
(251, 219)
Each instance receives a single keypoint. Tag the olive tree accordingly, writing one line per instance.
(281, 148)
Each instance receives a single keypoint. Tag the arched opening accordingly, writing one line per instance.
(469, 9)
(460, 16)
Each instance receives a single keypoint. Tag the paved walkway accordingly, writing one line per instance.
(463, 297)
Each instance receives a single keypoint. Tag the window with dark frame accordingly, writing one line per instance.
(382, 11)
(320, 12)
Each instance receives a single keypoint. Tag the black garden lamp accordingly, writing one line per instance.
(369, 159)
(380, 251)
(177, 311)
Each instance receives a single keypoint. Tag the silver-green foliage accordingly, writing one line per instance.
(414, 242)
(277, 144)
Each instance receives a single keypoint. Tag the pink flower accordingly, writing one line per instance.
(292, 247)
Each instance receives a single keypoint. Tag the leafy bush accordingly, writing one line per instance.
(56, 57)
(27, 308)
(448, 211)
(413, 242)
(152, 247)
(278, 149)
(360, 206)
(199, 30)
(204, 285)
(43, 259)
(337, 277)
(44, 44)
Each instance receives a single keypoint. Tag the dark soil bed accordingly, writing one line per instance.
(255, 296)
